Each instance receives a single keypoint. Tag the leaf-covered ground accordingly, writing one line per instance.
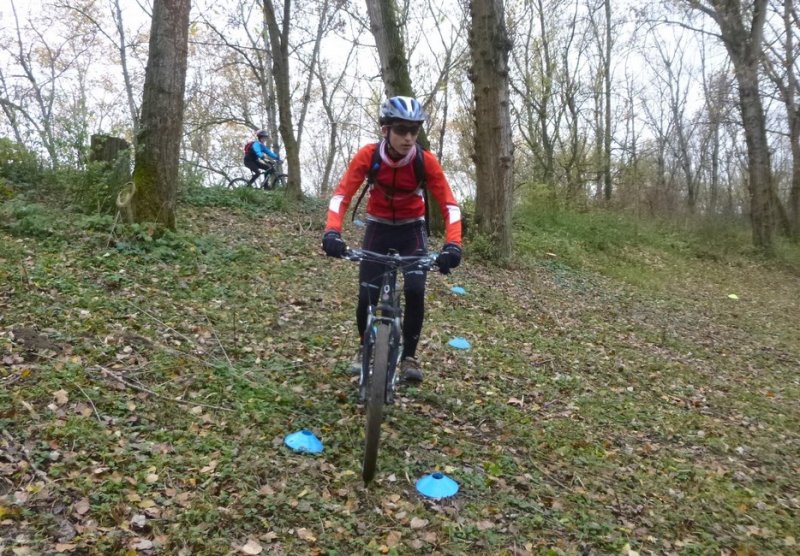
(146, 388)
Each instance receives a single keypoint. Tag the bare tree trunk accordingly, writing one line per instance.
(394, 68)
(321, 26)
(786, 80)
(574, 152)
(489, 45)
(279, 40)
(391, 50)
(743, 41)
(161, 127)
(123, 50)
(43, 93)
(607, 187)
(794, 192)
(88, 12)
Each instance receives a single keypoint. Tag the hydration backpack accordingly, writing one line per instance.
(419, 173)
(248, 146)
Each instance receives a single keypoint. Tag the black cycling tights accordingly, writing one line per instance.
(407, 239)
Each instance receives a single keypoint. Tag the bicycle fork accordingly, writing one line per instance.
(389, 314)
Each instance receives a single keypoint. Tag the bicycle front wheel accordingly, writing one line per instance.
(376, 390)
(238, 182)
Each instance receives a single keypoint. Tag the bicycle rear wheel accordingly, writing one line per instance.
(376, 390)
(238, 182)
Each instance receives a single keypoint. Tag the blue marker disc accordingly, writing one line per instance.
(459, 343)
(303, 441)
(437, 485)
(458, 290)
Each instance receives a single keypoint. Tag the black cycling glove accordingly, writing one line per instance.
(333, 245)
(449, 258)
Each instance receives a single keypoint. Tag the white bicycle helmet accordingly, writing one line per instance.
(402, 108)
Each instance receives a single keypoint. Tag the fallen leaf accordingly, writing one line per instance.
(212, 465)
(418, 523)
(305, 535)
(266, 490)
(393, 538)
(430, 537)
(82, 506)
(151, 478)
(61, 396)
(65, 547)
(271, 536)
(251, 547)
(143, 544)
(484, 525)
(138, 521)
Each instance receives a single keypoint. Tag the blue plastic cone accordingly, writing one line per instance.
(303, 441)
(459, 343)
(458, 290)
(437, 485)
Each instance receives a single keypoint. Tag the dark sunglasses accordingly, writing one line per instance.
(402, 129)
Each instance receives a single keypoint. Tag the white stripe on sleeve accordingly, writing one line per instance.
(454, 214)
(336, 203)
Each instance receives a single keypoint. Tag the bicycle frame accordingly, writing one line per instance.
(383, 345)
(387, 312)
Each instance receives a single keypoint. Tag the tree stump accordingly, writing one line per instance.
(105, 148)
(115, 155)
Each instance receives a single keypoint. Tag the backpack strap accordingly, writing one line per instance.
(422, 183)
(374, 164)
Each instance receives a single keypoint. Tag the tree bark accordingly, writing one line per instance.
(279, 40)
(394, 69)
(744, 46)
(161, 126)
(490, 46)
(123, 56)
(607, 187)
(391, 49)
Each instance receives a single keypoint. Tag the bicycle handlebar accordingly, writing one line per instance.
(422, 262)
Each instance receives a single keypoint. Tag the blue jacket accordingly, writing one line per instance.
(259, 151)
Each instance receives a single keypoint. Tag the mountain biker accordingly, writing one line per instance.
(396, 220)
(257, 154)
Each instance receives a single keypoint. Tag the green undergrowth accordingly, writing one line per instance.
(616, 397)
(642, 251)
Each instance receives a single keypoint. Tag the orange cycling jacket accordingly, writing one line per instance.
(395, 197)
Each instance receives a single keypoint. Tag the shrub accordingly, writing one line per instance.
(6, 191)
(18, 164)
(92, 190)
(25, 219)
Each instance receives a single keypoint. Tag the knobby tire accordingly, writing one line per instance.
(238, 182)
(376, 390)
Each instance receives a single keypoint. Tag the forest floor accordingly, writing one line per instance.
(146, 387)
